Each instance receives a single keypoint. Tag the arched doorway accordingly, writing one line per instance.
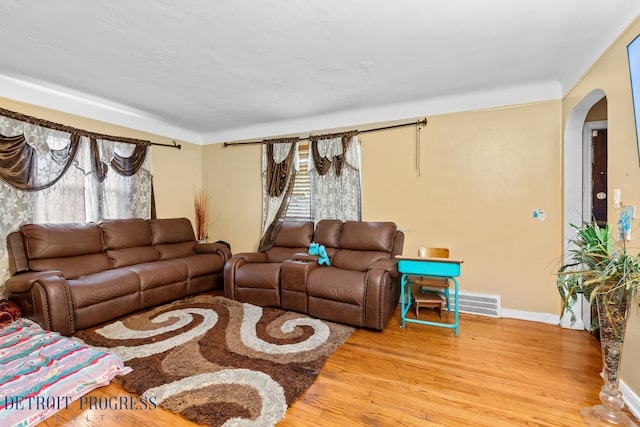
(577, 193)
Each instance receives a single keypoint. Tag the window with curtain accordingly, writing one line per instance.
(49, 175)
(334, 169)
(327, 182)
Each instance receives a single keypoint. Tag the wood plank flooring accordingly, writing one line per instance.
(497, 372)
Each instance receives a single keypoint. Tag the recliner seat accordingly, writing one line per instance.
(361, 287)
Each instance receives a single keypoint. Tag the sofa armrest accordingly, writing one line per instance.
(305, 257)
(382, 294)
(293, 283)
(52, 305)
(232, 265)
(213, 248)
(250, 256)
(22, 283)
(388, 265)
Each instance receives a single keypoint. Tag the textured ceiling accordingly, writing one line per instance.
(210, 71)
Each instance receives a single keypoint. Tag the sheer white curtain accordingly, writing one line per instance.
(78, 196)
(336, 193)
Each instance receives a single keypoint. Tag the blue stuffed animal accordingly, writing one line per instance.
(324, 259)
(314, 249)
(317, 249)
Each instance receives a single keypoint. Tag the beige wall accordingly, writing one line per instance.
(233, 179)
(482, 174)
(611, 74)
(176, 172)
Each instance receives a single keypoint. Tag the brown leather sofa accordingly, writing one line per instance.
(68, 277)
(361, 287)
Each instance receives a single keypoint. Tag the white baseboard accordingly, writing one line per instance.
(631, 399)
(552, 319)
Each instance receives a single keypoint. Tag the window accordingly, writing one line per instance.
(326, 195)
(299, 208)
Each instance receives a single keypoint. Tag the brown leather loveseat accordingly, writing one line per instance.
(68, 277)
(361, 287)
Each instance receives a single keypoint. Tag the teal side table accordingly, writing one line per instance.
(443, 268)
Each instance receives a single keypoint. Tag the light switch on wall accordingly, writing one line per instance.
(616, 198)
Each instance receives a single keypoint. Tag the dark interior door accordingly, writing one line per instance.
(599, 175)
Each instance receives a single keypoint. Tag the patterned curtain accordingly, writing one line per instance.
(53, 175)
(279, 167)
(335, 176)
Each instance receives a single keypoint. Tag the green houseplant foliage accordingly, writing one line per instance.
(597, 266)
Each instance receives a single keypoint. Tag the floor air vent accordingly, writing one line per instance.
(477, 303)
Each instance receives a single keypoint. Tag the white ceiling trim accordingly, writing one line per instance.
(69, 101)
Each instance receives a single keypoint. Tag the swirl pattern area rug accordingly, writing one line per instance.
(220, 362)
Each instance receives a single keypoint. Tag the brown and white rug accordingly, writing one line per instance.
(220, 362)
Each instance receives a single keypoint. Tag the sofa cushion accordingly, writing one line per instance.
(346, 286)
(261, 275)
(73, 266)
(293, 237)
(125, 233)
(131, 256)
(356, 260)
(159, 273)
(171, 230)
(176, 250)
(328, 232)
(202, 264)
(104, 286)
(73, 249)
(61, 240)
(368, 236)
(127, 241)
(295, 234)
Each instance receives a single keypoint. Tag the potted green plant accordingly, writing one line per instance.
(599, 267)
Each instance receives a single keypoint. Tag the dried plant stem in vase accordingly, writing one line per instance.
(201, 205)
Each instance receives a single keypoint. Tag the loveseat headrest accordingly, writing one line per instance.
(328, 232)
(295, 234)
(368, 236)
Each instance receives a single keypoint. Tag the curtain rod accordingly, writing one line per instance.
(64, 128)
(422, 122)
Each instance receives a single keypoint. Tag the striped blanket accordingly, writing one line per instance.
(42, 372)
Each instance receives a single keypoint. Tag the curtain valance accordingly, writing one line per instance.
(336, 157)
(27, 153)
(18, 162)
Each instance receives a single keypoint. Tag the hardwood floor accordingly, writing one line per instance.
(497, 372)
